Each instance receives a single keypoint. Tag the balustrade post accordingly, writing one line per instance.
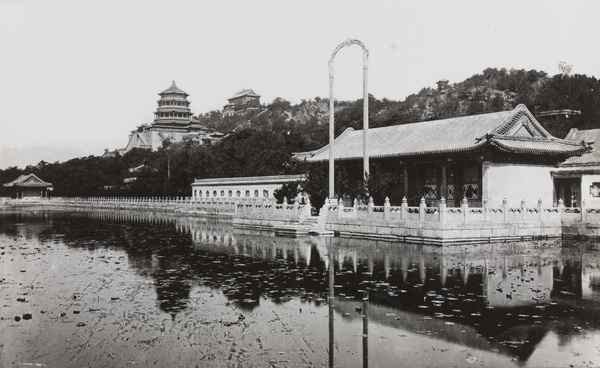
(404, 209)
(523, 205)
(583, 211)
(465, 209)
(561, 208)
(540, 209)
(443, 210)
(386, 208)
(370, 207)
(422, 207)
(340, 208)
(505, 209)
(295, 208)
(355, 209)
(486, 209)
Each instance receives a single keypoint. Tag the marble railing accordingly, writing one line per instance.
(464, 213)
(239, 206)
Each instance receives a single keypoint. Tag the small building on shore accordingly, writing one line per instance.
(28, 186)
(496, 156)
(578, 178)
(243, 187)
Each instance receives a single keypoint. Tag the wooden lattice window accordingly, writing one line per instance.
(450, 187)
(471, 187)
(430, 184)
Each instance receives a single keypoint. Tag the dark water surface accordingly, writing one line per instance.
(120, 289)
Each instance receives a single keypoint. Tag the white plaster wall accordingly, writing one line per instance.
(515, 182)
(586, 182)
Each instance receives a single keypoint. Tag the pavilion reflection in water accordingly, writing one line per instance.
(494, 294)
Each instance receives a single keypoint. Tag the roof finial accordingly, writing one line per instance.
(173, 83)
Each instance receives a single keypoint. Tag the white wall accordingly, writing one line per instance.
(234, 189)
(517, 181)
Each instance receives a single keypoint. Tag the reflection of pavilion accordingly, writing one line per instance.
(494, 292)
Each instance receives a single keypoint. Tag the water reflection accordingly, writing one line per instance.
(497, 297)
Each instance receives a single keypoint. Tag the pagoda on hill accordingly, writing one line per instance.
(173, 121)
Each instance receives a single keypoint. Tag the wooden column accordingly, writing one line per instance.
(405, 168)
(444, 183)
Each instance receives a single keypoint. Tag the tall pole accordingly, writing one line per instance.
(365, 115)
(348, 42)
(331, 132)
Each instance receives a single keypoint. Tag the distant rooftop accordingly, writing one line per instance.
(244, 93)
(173, 89)
(590, 136)
(275, 179)
(30, 180)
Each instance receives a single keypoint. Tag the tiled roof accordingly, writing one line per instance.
(30, 180)
(173, 89)
(537, 146)
(275, 179)
(245, 92)
(512, 131)
(591, 158)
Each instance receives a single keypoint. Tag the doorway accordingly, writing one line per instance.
(569, 190)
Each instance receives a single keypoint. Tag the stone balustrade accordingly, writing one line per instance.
(463, 214)
(240, 207)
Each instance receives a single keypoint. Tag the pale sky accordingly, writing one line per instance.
(83, 74)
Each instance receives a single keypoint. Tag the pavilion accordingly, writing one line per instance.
(578, 178)
(28, 186)
(496, 156)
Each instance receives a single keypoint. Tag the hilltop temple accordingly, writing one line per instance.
(241, 102)
(173, 121)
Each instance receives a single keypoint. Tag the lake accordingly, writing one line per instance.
(140, 289)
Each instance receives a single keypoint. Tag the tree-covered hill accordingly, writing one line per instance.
(490, 91)
(261, 142)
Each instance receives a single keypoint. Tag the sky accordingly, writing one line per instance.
(81, 75)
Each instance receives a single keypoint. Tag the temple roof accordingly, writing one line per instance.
(173, 89)
(514, 131)
(244, 93)
(591, 136)
(30, 180)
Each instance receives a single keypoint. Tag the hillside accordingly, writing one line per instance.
(490, 91)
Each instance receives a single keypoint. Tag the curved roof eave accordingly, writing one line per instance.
(410, 154)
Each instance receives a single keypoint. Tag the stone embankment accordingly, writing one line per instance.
(404, 223)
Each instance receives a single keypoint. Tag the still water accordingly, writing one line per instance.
(120, 289)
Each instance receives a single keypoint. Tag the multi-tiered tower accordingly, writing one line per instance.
(173, 121)
(173, 108)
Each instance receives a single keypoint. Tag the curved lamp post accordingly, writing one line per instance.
(349, 42)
